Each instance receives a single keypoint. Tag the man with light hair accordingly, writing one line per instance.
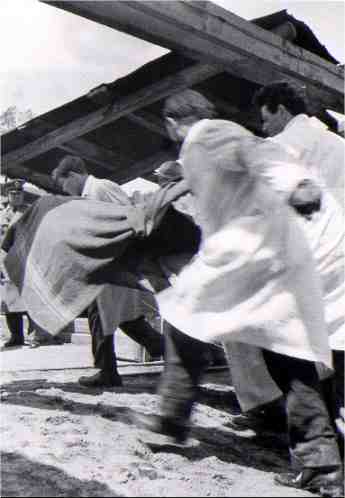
(253, 280)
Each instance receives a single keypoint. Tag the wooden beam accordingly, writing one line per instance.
(108, 114)
(141, 168)
(40, 179)
(207, 32)
(94, 153)
(79, 146)
(149, 121)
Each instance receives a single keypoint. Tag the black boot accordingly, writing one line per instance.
(16, 327)
(101, 379)
(173, 431)
(324, 481)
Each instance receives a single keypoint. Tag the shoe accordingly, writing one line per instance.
(175, 433)
(13, 342)
(34, 345)
(101, 379)
(324, 481)
(259, 422)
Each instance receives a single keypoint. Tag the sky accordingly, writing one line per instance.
(50, 57)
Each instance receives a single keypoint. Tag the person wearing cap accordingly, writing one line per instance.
(11, 304)
(253, 280)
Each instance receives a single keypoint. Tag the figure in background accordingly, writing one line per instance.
(254, 281)
(284, 116)
(115, 306)
(321, 153)
(11, 305)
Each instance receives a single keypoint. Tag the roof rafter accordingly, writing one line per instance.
(108, 114)
(205, 31)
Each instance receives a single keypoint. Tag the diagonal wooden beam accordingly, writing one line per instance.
(205, 31)
(108, 114)
(149, 121)
(94, 153)
(144, 167)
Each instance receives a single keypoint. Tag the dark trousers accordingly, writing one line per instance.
(103, 346)
(15, 324)
(312, 437)
(185, 362)
(313, 441)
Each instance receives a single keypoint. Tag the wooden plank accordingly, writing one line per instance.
(94, 153)
(108, 114)
(79, 146)
(144, 167)
(206, 31)
(40, 179)
(149, 121)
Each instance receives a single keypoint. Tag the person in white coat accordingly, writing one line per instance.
(253, 280)
(321, 153)
(284, 116)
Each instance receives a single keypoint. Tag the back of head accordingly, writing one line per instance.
(187, 104)
(281, 93)
(67, 165)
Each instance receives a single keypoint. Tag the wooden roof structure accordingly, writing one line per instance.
(117, 128)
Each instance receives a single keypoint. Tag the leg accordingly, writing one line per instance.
(140, 331)
(338, 362)
(185, 362)
(103, 353)
(313, 444)
(16, 327)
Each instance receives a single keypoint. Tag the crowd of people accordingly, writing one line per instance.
(241, 246)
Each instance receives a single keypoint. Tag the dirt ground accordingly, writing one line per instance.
(59, 439)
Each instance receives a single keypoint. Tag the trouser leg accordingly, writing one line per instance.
(102, 346)
(15, 325)
(185, 362)
(338, 362)
(312, 437)
(140, 331)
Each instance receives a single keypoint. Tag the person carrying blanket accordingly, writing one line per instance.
(253, 281)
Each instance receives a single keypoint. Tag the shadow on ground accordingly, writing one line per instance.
(20, 474)
(258, 450)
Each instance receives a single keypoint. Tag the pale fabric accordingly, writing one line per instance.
(9, 294)
(325, 232)
(253, 280)
(116, 304)
(322, 151)
(253, 383)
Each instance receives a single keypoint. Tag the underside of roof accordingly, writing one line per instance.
(117, 128)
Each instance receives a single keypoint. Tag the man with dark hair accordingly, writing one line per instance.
(122, 304)
(283, 111)
(284, 117)
(253, 280)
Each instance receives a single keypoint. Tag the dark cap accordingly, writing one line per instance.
(14, 186)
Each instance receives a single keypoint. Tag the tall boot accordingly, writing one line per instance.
(16, 327)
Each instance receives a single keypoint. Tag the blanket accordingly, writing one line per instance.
(64, 250)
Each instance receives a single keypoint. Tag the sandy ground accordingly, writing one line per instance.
(59, 439)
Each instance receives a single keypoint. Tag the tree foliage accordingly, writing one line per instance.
(13, 117)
